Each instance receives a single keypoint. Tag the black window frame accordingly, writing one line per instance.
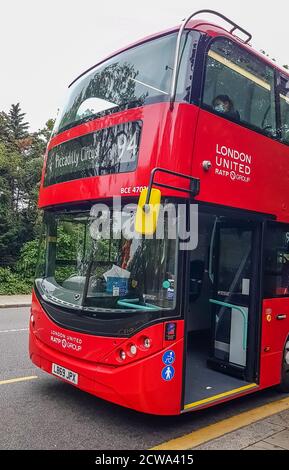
(278, 90)
(269, 226)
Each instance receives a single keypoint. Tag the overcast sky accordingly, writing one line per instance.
(45, 44)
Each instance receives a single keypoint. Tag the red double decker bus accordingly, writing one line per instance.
(144, 322)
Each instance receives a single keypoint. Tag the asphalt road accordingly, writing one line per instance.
(45, 413)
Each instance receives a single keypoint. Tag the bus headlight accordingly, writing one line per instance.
(122, 354)
(147, 343)
(132, 349)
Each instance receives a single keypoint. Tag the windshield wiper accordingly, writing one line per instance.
(149, 86)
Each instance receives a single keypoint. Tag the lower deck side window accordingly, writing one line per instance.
(276, 261)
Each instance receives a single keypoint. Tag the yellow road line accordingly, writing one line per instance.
(220, 395)
(213, 431)
(19, 379)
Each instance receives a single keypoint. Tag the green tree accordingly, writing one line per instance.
(20, 171)
(4, 128)
(10, 219)
(21, 161)
(17, 126)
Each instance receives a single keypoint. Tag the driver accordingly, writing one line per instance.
(224, 105)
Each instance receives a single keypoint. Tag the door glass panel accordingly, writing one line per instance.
(232, 292)
(234, 271)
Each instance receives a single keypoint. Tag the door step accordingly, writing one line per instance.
(220, 397)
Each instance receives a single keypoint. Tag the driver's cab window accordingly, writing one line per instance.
(240, 87)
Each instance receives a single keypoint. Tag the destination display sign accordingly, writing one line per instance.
(106, 151)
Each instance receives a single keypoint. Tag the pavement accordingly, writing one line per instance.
(7, 301)
(265, 427)
(271, 433)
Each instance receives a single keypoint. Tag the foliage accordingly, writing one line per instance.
(13, 283)
(16, 124)
(21, 161)
(28, 259)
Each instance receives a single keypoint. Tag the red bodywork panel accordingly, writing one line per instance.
(166, 141)
(94, 358)
(248, 180)
(181, 140)
(274, 335)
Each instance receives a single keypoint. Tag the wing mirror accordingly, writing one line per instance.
(147, 213)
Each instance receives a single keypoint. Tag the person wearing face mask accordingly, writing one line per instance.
(224, 105)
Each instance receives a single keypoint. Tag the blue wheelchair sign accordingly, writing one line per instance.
(168, 373)
(169, 357)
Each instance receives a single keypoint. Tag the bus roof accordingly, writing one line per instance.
(202, 25)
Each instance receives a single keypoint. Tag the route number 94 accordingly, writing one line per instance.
(127, 147)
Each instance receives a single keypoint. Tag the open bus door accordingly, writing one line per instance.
(233, 274)
(223, 320)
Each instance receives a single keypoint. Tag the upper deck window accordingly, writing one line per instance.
(138, 76)
(284, 109)
(236, 74)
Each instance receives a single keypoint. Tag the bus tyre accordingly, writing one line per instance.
(284, 384)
